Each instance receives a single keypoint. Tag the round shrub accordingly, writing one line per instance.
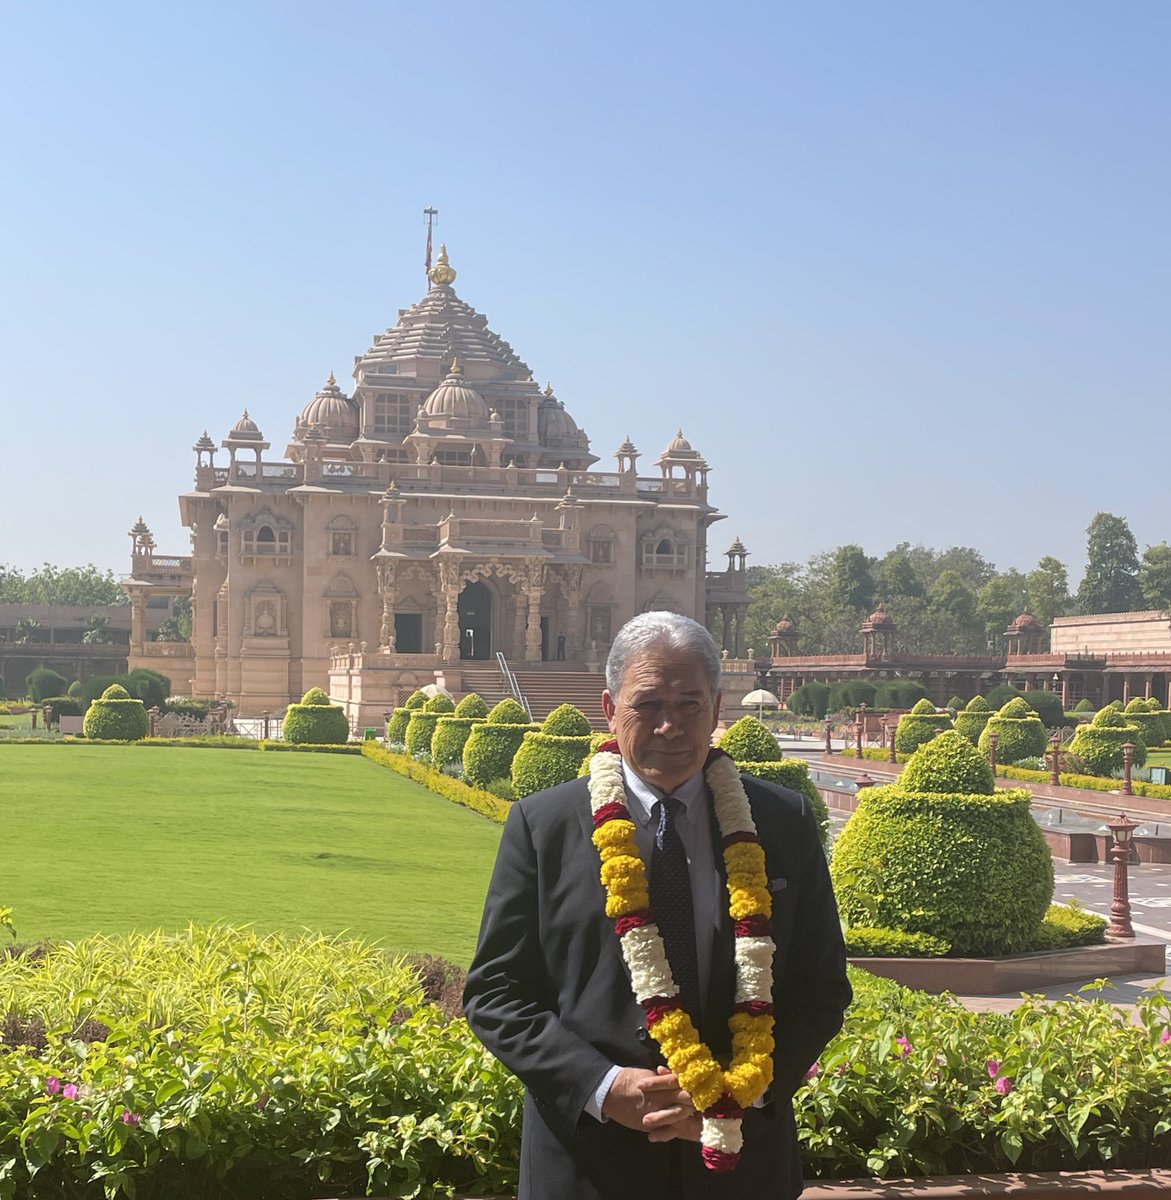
(1048, 706)
(955, 704)
(492, 745)
(851, 694)
(972, 718)
(918, 726)
(44, 682)
(60, 706)
(151, 687)
(508, 712)
(396, 727)
(472, 705)
(971, 868)
(74, 689)
(415, 700)
(809, 700)
(567, 721)
(1002, 693)
(316, 721)
(544, 760)
(420, 731)
(1099, 743)
(1083, 706)
(440, 703)
(953, 765)
(899, 693)
(749, 740)
(1022, 734)
(450, 736)
(116, 717)
(1145, 714)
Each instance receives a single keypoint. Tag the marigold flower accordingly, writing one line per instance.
(1004, 1085)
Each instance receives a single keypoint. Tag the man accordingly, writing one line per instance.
(550, 994)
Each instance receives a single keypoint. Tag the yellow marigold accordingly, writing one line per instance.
(748, 1081)
(747, 1023)
(616, 834)
(748, 901)
(745, 856)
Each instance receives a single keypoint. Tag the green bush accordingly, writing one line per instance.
(492, 745)
(187, 707)
(544, 760)
(1099, 743)
(44, 682)
(567, 721)
(1146, 715)
(1083, 706)
(508, 712)
(316, 721)
(501, 788)
(450, 737)
(863, 941)
(969, 867)
(151, 687)
(750, 740)
(441, 703)
(115, 717)
(851, 694)
(793, 773)
(93, 688)
(899, 693)
(809, 700)
(955, 704)
(972, 718)
(472, 705)
(61, 706)
(396, 727)
(415, 700)
(1000, 695)
(73, 690)
(918, 726)
(1068, 925)
(1022, 734)
(1048, 706)
(422, 722)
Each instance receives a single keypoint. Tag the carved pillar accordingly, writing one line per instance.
(449, 583)
(535, 590)
(519, 617)
(573, 631)
(137, 619)
(386, 591)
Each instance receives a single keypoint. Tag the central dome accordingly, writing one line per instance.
(332, 411)
(454, 398)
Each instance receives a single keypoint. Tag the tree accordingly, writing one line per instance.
(1048, 590)
(1111, 579)
(1001, 601)
(1154, 576)
(898, 576)
(83, 586)
(97, 631)
(956, 603)
(28, 630)
(773, 592)
(851, 584)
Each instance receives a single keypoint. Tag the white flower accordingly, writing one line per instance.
(646, 957)
(722, 1134)
(754, 968)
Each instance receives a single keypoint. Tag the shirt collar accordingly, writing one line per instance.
(644, 796)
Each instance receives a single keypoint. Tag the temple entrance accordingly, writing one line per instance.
(475, 621)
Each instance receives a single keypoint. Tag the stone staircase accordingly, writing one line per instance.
(544, 690)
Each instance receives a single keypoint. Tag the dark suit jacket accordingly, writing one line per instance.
(550, 996)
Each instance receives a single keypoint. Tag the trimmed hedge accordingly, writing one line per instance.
(1092, 783)
(491, 747)
(1147, 715)
(970, 867)
(450, 737)
(919, 726)
(567, 721)
(1067, 925)
(544, 760)
(508, 712)
(750, 740)
(61, 706)
(972, 718)
(472, 705)
(396, 727)
(899, 693)
(1099, 744)
(1022, 733)
(44, 682)
(116, 717)
(809, 700)
(435, 781)
(315, 721)
(864, 941)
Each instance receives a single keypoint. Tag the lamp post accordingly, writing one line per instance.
(859, 733)
(993, 742)
(1055, 749)
(863, 781)
(1127, 768)
(266, 715)
(1121, 829)
(891, 755)
(829, 725)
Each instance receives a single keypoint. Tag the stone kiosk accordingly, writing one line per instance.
(449, 509)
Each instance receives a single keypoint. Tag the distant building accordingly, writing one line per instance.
(447, 510)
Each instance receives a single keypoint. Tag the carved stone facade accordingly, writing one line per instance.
(447, 510)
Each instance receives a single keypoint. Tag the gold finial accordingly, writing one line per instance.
(548, 389)
(442, 273)
(455, 369)
(331, 382)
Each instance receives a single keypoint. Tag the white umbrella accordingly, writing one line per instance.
(760, 698)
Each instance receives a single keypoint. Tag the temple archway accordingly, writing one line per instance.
(475, 621)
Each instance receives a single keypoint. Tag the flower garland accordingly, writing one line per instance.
(720, 1095)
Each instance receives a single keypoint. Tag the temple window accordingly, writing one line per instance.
(601, 544)
(394, 414)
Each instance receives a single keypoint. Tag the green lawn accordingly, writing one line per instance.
(112, 839)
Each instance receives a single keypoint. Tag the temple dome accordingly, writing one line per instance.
(333, 412)
(454, 398)
(246, 429)
(1026, 621)
(784, 625)
(880, 618)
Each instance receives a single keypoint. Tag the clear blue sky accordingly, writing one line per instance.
(900, 270)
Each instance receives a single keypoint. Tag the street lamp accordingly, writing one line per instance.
(1055, 750)
(1127, 768)
(993, 742)
(829, 726)
(1122, 830)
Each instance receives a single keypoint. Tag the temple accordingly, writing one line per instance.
(447, 511)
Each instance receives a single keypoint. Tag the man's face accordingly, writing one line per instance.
(663, 716)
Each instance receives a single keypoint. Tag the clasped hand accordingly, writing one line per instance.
(654, 1103)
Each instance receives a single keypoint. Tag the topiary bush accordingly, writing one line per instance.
(1083, 706)
(151, 687)
(918, 726)
(955, 704)
(451, 736)
(899, 693)
(750, 740)
(472, 705)
(851, 694)
(415, 700)
(1146, 715)
(1022, 733)
(1099, 743)
(316, 721)
(809, 700)
(864, 941)
(60, 706)
(493, 743)
(1002, 693)
(396, 727)
(969, 867)
(1048, 706)
(74, 690)
(44, 682)
(972, 718)
(422, 722)
(544, 760)
(116, 717)
(567, 721)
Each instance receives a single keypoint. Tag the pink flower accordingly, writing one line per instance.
(1004, 1085)
(905, 1045)
(262, 1103)
(69, 1091)
(813, 1071)
(1166, 1036)
(993, 1065)
(52, 1085)
(130, 1118)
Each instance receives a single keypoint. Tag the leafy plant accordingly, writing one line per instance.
(116, 717)
(1022, 733)
(316, 721)
(918, 726)
(1100, 742)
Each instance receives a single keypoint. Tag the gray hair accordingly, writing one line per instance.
(670, 629)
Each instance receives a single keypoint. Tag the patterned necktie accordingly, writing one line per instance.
(670, 888)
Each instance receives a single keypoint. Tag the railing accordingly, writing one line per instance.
(512, 683)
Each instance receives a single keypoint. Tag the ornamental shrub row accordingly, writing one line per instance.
(455, 790)
(553, 754)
